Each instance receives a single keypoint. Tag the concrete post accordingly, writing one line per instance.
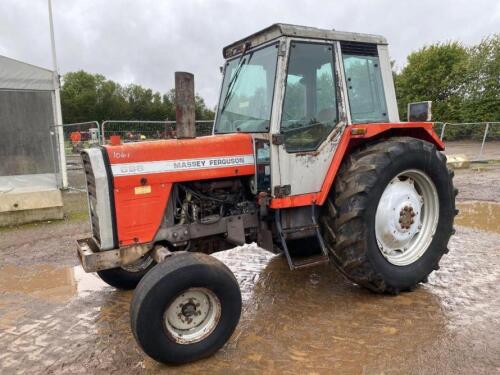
(184, 103)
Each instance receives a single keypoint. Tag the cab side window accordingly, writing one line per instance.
(310, 103)
(365, 88)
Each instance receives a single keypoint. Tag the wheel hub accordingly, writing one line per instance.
(193, 315)
(406, 215)
(400, 218)
(189, 309)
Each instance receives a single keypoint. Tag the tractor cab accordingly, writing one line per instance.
(298, 87)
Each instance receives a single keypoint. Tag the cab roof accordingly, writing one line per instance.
(282, 29)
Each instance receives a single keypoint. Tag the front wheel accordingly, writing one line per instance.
(185, 308)
(390, 215)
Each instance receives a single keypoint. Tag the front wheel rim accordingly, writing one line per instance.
(192, 316)
(407, 217)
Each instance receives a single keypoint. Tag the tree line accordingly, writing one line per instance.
(463, 82)
(92, 97)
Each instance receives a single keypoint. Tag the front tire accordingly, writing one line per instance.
(127, 277)
(390, 215)
(185, 308)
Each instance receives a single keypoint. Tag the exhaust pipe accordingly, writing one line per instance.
(184, 105)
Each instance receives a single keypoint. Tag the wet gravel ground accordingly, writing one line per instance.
(480, 182)
(54, 318)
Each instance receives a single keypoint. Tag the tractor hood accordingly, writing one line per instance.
(140, 176)
(176, 160)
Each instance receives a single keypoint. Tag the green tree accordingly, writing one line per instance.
(481, 96)
(463, 83)
(436, 73)
(79, 96)
(92, 97)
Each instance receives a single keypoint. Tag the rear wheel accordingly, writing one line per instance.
(185, 308)
(127, 277)
(390, 215)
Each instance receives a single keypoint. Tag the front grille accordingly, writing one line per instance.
(92, 195)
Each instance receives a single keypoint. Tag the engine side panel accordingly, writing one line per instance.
(144, 173)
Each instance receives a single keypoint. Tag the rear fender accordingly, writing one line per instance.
(354, 136)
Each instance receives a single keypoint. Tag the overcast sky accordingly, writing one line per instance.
(145, 41)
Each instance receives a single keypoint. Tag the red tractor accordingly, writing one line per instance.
(308, 158)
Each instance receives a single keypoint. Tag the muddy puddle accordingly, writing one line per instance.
(479, 215)
(49, 282)
(61, 320)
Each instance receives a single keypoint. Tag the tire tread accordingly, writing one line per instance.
(357, 176)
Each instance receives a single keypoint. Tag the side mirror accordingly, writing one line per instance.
(420, 111)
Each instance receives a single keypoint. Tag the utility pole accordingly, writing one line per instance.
(57, 100)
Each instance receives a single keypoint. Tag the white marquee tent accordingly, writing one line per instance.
(30, 168)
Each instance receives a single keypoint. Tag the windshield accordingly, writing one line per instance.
(247, 92)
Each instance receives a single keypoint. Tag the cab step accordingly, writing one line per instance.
(302, 262)
(309, 261)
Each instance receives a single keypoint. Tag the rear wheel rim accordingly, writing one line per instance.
(407, 217)
(192, 316)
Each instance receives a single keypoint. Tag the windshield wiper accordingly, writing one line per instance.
(231, 84)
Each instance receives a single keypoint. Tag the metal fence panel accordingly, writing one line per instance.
(139, 130)
(78, 136)
(480, 141)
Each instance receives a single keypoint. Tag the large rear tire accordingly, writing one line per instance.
(185, 308)
(390, 214)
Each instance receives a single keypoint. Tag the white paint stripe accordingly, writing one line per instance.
(163, 166)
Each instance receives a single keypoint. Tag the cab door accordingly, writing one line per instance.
(311, 121)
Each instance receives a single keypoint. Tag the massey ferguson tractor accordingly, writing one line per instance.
(308, 158)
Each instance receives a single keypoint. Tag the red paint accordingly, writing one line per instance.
(138, 216)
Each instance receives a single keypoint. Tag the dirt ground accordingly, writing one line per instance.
(54, 318)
